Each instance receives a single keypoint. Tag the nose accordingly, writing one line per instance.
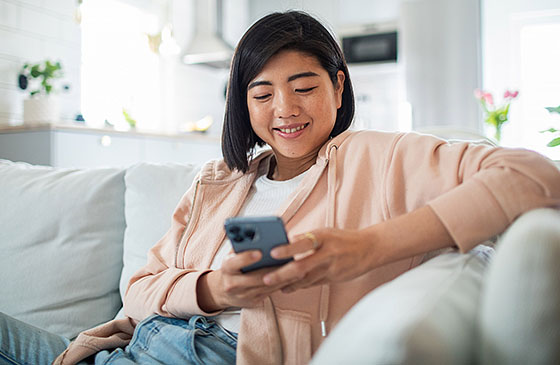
(286, 105)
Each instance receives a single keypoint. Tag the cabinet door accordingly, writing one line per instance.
(79, 149)
(181, 151)
(31, 147)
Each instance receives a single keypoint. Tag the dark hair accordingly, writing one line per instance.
(292, 30)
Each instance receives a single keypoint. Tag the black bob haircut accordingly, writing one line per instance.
(292, 30)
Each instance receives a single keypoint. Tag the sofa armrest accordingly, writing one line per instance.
(520, 312)
(426, 315)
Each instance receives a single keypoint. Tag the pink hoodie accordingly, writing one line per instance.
(359, 179)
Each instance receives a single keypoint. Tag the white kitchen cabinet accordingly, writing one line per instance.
(69, 146)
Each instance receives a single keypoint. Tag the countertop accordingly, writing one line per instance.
(80, 127)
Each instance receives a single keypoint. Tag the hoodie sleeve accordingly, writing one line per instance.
(161, 287)
(476, 190)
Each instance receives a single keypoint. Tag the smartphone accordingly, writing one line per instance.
(257, 233)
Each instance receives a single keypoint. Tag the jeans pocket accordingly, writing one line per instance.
(144, 332)
(162, 340)
(208, 348)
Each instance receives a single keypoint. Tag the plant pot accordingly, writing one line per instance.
(42, 109)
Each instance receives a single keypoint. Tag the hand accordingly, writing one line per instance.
(346, 254)
(340, 255)
(229, 287)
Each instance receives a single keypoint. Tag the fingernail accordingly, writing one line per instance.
(267, 280)
(256, 254)
(274, 254)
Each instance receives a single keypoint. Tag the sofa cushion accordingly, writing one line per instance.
(61, 240)
(152, 193)
(425, 316)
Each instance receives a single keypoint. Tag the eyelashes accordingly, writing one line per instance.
(261, 97)
(306, 90)
(299, 91)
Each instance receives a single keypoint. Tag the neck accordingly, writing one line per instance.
(285, 168)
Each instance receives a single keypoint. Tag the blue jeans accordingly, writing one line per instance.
(156, 340)
(21, 343)
(162, 340)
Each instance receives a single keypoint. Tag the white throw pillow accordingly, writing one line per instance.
(425, 316)
(152, 194)
(61, 243)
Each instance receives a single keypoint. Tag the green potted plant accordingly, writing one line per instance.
(38, 79)
(556, 140)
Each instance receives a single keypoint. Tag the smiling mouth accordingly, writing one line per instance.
(292, 130)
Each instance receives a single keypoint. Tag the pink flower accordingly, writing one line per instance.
(484, 96)
(488, 98)
(511, 94)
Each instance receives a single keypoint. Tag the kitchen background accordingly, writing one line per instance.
(126, 55)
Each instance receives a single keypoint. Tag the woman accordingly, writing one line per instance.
(360, 208)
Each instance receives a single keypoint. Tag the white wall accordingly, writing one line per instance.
(32, 31)
(196, 91)
(336, 13)
(441, 51)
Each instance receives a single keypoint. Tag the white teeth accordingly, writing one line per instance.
(292, 130)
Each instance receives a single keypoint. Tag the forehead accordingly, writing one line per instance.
(289, 62)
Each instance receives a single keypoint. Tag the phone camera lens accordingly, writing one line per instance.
(238, 238)
(234, 230)
(250, 233)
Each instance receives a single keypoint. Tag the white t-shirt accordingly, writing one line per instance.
(264, 199)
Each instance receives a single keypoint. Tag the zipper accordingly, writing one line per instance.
(184, 235)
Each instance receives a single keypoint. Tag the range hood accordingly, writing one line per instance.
(207, 46)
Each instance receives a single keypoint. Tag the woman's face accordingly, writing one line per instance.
(293, 103)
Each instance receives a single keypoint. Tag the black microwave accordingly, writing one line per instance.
(367, 48)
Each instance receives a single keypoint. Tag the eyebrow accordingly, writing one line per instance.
(291, 78)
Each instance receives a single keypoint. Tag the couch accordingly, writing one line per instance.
(71, 239)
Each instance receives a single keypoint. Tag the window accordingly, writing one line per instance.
(520, 51)
(539, 82)
(119, 71)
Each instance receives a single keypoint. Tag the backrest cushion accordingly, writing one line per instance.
(61, 242)
(152, 193)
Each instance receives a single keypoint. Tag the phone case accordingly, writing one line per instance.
(257, 233)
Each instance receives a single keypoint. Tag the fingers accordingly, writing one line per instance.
(235, 282)
(302, 244)
(234, 263)
(298, 271)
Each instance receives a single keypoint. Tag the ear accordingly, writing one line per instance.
(339, 88)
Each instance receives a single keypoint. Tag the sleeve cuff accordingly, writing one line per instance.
(470, 213)
(182, 301)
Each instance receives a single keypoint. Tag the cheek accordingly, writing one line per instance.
(326, 108)
(256, 117)
(259, 123)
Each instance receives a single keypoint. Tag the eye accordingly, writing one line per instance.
(261, 97)
(303, 91)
